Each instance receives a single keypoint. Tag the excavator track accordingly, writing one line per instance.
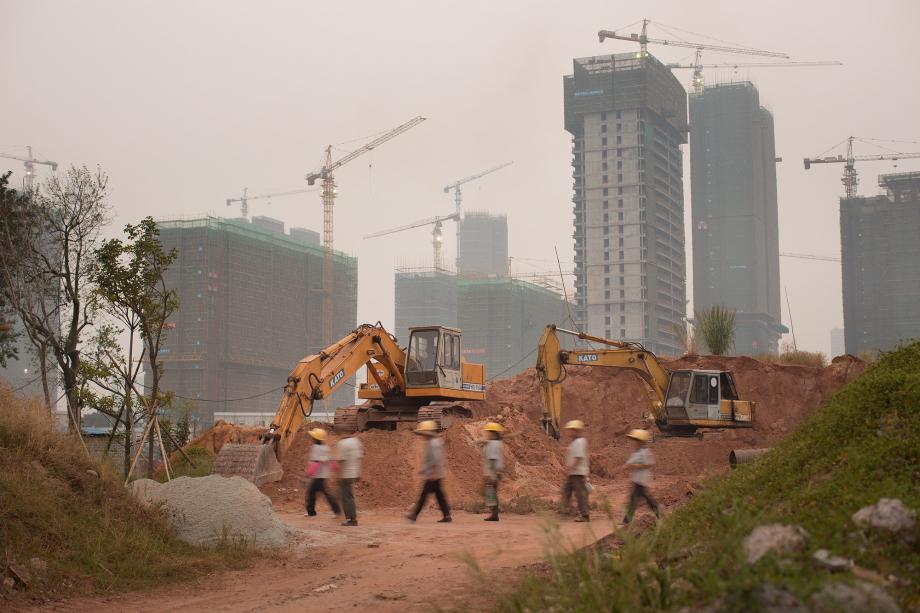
(443, 414)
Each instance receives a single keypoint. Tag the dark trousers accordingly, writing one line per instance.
(575, 484)
(348, 498)
(319, 485)
(640, 491)
(432, 486)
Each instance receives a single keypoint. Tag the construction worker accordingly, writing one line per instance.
(432, 471)
(349, 453)
(640, 463)
(576, 462)
(319, 468)
(493, 464)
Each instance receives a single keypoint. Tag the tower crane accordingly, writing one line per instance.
(437, 236)
(328, 194)
(244, 199)
(29, 162)
(850, 179)
(458, 197)
(644, 41)
(697, 83)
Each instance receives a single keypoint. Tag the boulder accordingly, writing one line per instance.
(774, 599)
(860, 597)
(779, 538)
(889, 514)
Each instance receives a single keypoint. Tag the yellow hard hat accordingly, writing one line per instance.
(318, 434)
(640, 435)
(575, 424)
(493, 427)
(429, 426)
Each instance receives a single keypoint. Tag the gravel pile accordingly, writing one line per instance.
(207, 510)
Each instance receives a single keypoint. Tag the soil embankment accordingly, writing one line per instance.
(610, 401)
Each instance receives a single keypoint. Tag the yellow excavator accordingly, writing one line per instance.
(680, 401)
(424, 381)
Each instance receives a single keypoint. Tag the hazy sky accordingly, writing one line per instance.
(186, 103)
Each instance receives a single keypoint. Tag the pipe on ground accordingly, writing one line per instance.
(745, 456)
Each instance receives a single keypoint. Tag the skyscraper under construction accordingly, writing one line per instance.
(880, 251)
(628, 118)
(734, 212)
(250, 306)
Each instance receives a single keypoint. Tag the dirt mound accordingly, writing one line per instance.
(222, 433)
(610, 401)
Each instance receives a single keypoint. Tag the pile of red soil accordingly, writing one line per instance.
(610, 401)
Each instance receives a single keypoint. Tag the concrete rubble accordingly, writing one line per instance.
(889, 514)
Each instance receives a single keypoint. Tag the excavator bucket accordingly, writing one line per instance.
(256, 463)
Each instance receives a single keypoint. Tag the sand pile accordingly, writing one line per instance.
(207, 510)
(610, 401)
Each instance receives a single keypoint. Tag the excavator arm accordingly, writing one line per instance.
(552, 359)
(318, 376)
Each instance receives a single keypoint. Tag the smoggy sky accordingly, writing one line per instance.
(186, 103)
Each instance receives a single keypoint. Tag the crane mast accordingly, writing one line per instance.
(29, 162)
(328, 194)
(458, 197)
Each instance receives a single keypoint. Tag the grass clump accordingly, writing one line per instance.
(74, 514)
(860, 446)
(716, 326)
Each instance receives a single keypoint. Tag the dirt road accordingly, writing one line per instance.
(387, 564)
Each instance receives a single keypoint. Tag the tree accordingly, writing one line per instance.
(8, 335)
(717, 327)
(47, 258)
(131, 287)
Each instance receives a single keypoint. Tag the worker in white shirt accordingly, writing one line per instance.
(432, 472)
(349, 453)
(640, 463)
(576, 462)
(493, 465)
(319, 469)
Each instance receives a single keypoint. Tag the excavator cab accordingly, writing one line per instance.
(433, 358)
(705, 398)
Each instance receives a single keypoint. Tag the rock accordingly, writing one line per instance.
(8, 584)
(325, 588)
(20, 574)
(861, 597)
(826, 560)
(774, 599)
(38, 565)
(780, 538)
(889, 514)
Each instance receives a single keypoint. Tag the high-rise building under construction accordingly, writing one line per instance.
(734, 212)
(628, 118)
(250, 306)
(500, 317)
(880, 249)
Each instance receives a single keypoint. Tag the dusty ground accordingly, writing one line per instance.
(390, 565)
(387, 564)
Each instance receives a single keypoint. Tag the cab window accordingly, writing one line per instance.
(728, 387)
(423, 351)
(699, 394)
(677, 390)
(448, 352)
(456, 360)
(713, 389)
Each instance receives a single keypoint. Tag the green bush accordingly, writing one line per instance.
(716, 325)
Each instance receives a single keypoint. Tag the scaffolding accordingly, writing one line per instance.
(250, 306)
